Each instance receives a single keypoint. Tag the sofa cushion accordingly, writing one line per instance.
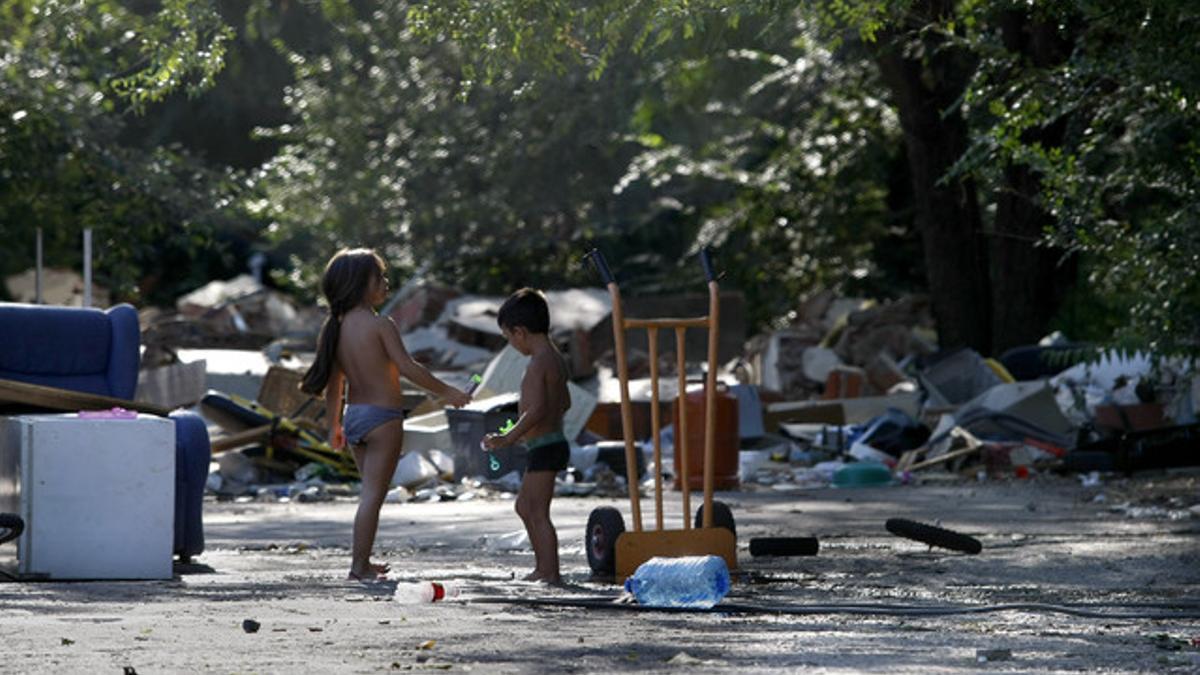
(53, 341)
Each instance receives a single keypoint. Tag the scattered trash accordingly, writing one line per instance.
(848, 379)
(414, 470)
(862, 474)
(419, 592)
(517, 540)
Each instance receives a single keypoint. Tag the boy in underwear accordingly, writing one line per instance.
(525, 321)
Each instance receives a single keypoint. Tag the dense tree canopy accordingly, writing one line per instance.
(507, 181)
(1033, 133)
(1030, 166)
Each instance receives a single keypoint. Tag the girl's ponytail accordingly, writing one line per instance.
(318, 374)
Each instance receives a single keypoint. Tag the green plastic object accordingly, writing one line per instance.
(862, 474)
(493, 461)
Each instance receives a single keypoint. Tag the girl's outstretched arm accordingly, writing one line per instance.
(415, 372)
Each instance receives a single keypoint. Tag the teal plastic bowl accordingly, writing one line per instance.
(863, 474)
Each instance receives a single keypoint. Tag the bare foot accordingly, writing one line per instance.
(367, 576)
(545, 577)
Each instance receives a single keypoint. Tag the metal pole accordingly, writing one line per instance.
(37, 270)
(87, 267)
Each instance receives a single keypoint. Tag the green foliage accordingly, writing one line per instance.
(1124, 183)
(558, 34)
(504, 188)
(68, 75)
(754, 138)
(777, 156)
(788, 177)
(183, 47)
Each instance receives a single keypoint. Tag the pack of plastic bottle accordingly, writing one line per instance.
(695, 581)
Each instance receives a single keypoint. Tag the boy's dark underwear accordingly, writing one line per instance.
(361, 418)
(548, 453)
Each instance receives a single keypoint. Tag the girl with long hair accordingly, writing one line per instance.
(360, 359)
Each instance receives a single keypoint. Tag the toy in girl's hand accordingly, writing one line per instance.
(507, 426)
(476, 379)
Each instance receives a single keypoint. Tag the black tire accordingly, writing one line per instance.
(11, 527)
(762, 546)
(934, 536)
(722, 517)
(604, 525)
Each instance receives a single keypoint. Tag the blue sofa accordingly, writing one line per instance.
(84, 350)
(98, 352)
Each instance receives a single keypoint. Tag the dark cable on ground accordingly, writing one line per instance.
(603, 602)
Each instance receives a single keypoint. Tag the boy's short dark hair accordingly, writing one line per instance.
(527, 309)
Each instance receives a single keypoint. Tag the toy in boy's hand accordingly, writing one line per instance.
(489, 442)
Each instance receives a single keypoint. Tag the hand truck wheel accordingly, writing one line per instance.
(722, 517)
(604, 525)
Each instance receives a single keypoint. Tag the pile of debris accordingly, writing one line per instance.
(852, 392)
(861, 383)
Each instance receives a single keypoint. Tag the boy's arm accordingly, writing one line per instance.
(333, 406)
(413, 371)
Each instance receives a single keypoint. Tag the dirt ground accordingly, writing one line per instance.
(1123, 547)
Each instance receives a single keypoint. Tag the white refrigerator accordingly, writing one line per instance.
(97, 496)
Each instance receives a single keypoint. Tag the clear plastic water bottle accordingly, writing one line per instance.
(696, 581)
(419, 592)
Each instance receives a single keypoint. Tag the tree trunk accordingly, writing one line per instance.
(1029, 281)
(925, 88)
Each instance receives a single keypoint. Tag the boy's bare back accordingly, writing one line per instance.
(544, 387)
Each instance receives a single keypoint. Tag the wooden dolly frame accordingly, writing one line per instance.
(637, 546)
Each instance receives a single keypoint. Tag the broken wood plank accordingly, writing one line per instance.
(242, 438)
(953, 454)
(54, 398)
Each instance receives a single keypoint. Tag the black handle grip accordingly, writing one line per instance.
(706, 263)
(601, 265)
